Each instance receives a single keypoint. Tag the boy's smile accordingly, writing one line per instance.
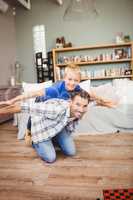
(71, 80)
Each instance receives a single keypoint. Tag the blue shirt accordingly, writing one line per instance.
(59, 91)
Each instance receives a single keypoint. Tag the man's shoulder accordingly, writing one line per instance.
(57, 104)
(56, 107)
(56, 101)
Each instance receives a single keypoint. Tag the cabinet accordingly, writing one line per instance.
(44, 67)
(99, 62)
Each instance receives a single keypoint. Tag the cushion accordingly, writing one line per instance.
(31, 87)
(22, 118)
(85, 85)
(28, 87)
(125, 93)
(124, 88)
(117, 83)
(106, 91)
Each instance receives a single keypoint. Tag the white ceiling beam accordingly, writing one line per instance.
(25, 3)
(60, 2)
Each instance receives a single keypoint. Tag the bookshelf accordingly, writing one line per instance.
(98, 62)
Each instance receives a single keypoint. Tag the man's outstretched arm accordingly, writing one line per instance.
(14, 108)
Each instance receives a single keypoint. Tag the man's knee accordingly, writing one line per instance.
(45, 151)
(48, 158)
(70, 152)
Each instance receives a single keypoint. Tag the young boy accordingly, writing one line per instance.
(61, 89)
(53, 119)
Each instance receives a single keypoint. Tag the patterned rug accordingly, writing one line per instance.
(118, 194)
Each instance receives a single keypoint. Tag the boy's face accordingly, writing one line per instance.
(78, 106)
(71, 79)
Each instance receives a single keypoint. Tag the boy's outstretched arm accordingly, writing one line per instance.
(102, 101)
(23, 97)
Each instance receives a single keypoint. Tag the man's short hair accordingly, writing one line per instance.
(82, 93)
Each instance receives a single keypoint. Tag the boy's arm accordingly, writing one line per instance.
(102, 101)
(23, 97)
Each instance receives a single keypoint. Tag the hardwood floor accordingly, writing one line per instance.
(101, 162)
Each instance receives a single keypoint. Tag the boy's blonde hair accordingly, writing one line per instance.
(72, 68)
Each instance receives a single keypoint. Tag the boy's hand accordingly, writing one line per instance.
(107, 103)
(103, 102)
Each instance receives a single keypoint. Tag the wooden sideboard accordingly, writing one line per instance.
(6, 93)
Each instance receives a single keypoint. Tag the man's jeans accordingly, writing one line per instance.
(46, 149)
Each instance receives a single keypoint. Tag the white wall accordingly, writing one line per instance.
(114, 16)
(7, 46)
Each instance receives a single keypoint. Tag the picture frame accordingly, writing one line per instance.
(119, 53)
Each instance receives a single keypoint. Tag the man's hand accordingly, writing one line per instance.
(6, 103)
(9, 109)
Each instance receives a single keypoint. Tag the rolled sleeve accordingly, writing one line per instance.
(33, 108)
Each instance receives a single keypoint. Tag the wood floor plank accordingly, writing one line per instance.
(102, 161)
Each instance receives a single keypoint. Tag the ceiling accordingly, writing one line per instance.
(13, 2)
(76, 9)
(5, 4)
(26, 3)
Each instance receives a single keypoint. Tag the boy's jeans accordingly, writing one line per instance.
(46, 149)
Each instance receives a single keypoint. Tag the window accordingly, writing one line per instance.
(39, 43)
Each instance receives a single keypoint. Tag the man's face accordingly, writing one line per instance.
(71, 80)
(78, 106)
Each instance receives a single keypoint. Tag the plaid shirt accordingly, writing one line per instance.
(48, 118)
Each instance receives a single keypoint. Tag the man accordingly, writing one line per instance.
(53, 120)
(61, 90)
